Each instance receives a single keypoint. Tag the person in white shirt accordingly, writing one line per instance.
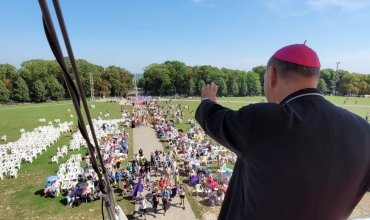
(181, 191)
(143, 207)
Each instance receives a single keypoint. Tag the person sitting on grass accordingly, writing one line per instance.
(48, 188)
(71, 196)
(55, 188)
(203, 160)
(212, 197)
(226, 182)
(86, 194)
(97, 193)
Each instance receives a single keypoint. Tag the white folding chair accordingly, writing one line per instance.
(54, 159)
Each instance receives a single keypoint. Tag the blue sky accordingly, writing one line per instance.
(235, 34)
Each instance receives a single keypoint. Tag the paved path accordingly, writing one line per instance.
(363, 208)
(145, 138)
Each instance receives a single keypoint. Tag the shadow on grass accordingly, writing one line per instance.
(204, 202)
(63, 201)
(39, 192)
(117, 190)
(127, 197)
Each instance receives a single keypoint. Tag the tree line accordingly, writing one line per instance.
(38, 80)
(174, 77)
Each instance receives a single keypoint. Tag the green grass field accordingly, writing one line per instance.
(198, 203)
(22, 197)
(361, 108)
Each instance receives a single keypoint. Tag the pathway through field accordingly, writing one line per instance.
(145, 138)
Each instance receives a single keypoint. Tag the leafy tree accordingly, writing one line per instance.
(20, 90)
(330, 76)
(141, 83)
(54, 89)
(243, 88)
(191, 87)
(38, 91)
(253, 83)
(32, 70)
(8, 84)
(157, 79)
(120, 79)
(4, 93)
(102, 87)
(322, 86)
(198, 87)
(260, 70)
(57, 92)
(8, 71)
(177, 73)
(220, 82)
(232, 84)
(233, 88)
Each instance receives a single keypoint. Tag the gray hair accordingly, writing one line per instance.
(285, 69)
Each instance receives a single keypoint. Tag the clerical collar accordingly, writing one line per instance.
(301, 93)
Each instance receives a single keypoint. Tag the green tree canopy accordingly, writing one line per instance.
(253, 83)
(20, 90)
(102, 87)
(4, 93)
(38, 93)
(322, 86)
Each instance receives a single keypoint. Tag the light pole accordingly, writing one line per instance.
(91, 86)
(337, 72)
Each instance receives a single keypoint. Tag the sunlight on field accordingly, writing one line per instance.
(21, 197)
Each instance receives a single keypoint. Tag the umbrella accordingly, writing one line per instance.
(228, 169)
(115, 136)
(119, 154)
(52, 178)
(208, 170)
(82, 185)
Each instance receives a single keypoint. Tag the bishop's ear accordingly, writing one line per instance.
(272, 77)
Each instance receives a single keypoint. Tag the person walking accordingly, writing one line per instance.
(165, 197)
(143, 207)
(181, 191)
(155, 199)
(296, 157)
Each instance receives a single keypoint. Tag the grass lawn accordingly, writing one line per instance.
(22, 198)
(199, 203)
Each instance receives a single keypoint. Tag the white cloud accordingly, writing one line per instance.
(299, 8)
(345, 5)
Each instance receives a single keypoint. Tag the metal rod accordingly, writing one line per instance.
(110, 200)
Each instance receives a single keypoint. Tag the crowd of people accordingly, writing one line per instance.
(194, 149)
